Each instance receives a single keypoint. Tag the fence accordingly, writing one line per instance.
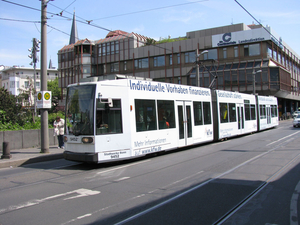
(25, 138)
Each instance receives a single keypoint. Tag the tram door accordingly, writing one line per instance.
(241, 120)
(184, 110)
(268, 109)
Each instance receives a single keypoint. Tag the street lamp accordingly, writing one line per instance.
(253, 76)
(197, 65)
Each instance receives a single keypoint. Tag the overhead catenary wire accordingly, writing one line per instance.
(88, 22)
(148, 10)
(258, 22)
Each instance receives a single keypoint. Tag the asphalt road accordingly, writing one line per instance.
(252, 179)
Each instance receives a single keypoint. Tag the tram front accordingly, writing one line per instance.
(79, 126)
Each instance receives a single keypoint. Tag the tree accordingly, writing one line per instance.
(52, 86)
(10, 110)
(150, 41)
(27, 94)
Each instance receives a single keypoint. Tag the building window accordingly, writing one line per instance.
(12, 84)
(141, 63)
(212, 54)
(112, 47)
(190, 57)
(252, 50)
(225, 53)
(236, 51)
(125, 65)
(26, 84)
(116, 47)
(171, 60)
(159, 61)
(178, 58)
(269, 52)
(37, 84)
(108, 49)
(114, 67)
(103, 49)
(99, 50)
(86, 69)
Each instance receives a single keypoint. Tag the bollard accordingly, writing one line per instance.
(6, 151)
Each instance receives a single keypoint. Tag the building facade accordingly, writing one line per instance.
(231, 58)
(21, 79)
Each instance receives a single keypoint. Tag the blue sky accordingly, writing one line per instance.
(168, 18)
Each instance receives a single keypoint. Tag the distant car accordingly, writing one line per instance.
(296, 113)
(296, 121)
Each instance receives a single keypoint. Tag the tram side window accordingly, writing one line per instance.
(223, 112)
(274, 110)
(250, 112)
(145, 115)
(198, 113)
(262, 111)
(253, 112)
(232, 112)
(206, 113)
(109, 119)
(202, 113)
(166, 114)
(247, 112)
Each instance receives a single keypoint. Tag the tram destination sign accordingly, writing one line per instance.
(149, 86)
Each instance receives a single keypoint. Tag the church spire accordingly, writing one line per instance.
(74, 34)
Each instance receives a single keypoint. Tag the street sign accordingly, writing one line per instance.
(44, 100)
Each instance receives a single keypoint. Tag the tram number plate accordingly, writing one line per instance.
(116, 154)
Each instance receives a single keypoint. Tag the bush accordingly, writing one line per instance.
(27, 122)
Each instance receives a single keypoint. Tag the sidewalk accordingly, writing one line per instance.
(25, 156)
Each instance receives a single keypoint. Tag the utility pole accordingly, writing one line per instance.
(197, 68)
(253, 77)
(44, 112)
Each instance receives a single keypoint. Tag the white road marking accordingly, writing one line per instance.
(293, 206)
(117, 168)
(282, 138)
(122, 178)
(80, 193)
(86, 215)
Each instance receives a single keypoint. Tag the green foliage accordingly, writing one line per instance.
(56, 94)
(10, 109)
(27, 125)
(52, 117)
(167, 40)
(14, 117)
(150, 41)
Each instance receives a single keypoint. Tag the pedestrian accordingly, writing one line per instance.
(59, 127)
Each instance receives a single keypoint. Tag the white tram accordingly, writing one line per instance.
(267, 111)
(120, 119)
(236, 114)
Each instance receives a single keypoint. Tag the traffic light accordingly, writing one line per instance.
(35, 48)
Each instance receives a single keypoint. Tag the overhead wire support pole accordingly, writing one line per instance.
(44, 112)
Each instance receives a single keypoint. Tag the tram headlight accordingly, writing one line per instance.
(87, 140)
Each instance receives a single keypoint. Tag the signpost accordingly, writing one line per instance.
(44, 99)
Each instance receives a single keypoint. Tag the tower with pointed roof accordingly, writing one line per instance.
(74, 33)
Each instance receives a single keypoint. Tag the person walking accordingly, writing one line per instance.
(59, 129)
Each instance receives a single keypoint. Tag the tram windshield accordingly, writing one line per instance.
(80, 109)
